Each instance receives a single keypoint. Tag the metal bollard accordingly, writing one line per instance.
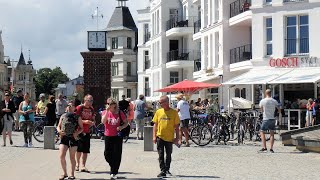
(49, 136)
(148, 138)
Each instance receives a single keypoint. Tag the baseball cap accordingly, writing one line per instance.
(7, 94)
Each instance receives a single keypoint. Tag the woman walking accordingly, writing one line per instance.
(69, 127)
(130, 113)
(50, 111)
(27, 109)
(309, 113)
(8, 110)
(112, 118)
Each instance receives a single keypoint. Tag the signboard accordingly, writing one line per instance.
(294, 62)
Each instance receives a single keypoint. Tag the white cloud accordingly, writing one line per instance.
(54, 30)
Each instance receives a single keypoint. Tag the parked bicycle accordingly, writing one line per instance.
(38, 131)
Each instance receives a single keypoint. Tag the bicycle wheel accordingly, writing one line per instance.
(100, 130)
(201, 135)
(38, 133)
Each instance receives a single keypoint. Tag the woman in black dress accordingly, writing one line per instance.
(50, 111)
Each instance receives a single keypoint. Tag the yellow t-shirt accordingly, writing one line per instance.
(42, 106)
(166, 120)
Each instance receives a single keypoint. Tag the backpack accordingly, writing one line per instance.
(125, 131)
(69, 123)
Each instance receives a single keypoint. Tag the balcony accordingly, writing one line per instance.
(147, 36)
(197, 26)
(181, 58)
(297, 47)
(240, 13)
(242, 53)
(177, 27)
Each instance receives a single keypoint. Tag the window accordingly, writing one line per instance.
(174, 77)
(128, 68)
(269, 36)
(268, 2)
(146, 87)
(297, 41)
(237, 92)
(243, 93)
(129, 93)
(115, 93)
(129, 42)
(146, 60)
(114, 69)
(114, 42)
(240, 93)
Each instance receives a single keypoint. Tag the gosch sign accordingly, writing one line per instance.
(284, 62)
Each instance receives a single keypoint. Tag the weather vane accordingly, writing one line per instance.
(97, 16)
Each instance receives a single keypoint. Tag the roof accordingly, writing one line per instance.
(21, 60)
(121, 19)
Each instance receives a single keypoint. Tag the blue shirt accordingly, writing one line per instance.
(25, 108)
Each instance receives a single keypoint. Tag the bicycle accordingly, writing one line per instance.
(38, 131)
(98, 131)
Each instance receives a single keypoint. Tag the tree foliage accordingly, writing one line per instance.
(48, 79)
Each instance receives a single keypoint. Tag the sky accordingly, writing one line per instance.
(55, 31)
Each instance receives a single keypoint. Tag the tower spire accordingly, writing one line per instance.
(122, 3)
(97, 16)
(29, 62)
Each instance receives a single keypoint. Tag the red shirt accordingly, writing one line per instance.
(86, 114)
(113, 121)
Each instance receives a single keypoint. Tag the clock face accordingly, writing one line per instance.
(97, 40)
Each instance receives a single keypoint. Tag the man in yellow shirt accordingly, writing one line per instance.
(42, 104)
(166, 123)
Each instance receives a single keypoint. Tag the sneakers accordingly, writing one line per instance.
(113, 176)
(25, 145)
(263, 150)
(162, 174)
(30, 145)
(271, 150)
(169, 173)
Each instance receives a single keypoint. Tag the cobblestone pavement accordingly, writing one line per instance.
(213, 161)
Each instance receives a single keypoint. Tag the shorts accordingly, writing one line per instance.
(7, 125)
(269, 124)
(184, 123)
(69, 141)
(84, 143)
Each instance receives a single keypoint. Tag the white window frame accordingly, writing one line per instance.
(266, 35)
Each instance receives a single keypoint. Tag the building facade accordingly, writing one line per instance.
(3, 69)
(122, 41)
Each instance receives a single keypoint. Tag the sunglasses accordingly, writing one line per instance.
(162, 102)
(90, 100)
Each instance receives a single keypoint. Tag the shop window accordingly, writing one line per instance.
(243, 93)
(237, 92)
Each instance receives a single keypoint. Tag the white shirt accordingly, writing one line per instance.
(184, 108)
(269, 106)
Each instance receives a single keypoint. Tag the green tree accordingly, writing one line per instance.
(47, 79)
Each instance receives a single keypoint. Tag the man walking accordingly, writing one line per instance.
(17, 100)
(268, 106)
(139, 113)
(166, 123)
(61, 105)
(124, 104)
(183, 109)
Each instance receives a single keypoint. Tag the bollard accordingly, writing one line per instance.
(148, 138)
(49, 136)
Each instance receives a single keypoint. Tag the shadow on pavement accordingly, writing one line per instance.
(197, 177)
(120, 177)
(108, 172)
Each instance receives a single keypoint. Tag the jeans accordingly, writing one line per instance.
(139, 127)
(161, 146)
(113, 152)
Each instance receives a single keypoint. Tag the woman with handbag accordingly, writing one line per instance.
(114, 121)
(7, 109)
(26, 119)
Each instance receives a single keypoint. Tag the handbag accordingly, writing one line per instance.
(26, 117)
(125, 131)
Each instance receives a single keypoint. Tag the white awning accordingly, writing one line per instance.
(299, 75)
(208, 78)
(258, 76)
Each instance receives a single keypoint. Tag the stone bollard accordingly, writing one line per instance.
(148, 138)
(49, 136)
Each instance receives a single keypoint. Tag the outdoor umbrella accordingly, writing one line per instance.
(188, 87)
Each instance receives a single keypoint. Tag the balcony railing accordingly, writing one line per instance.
(197, 26)
(239, 7)
(182, 55)
(177, 22)
(146, 64)
(297, 46)
(147, 36)
(286, 1)
(197, 65)
(241, 53)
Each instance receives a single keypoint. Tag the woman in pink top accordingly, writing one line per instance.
(111, 118)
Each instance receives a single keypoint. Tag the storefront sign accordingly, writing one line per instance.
(291, 62)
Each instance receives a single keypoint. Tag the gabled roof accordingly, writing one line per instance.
(121, 19)
(21, 60)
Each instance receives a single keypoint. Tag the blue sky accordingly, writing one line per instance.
(54, 30)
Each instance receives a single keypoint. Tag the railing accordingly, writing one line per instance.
(197, 65)
(146, 64)
(147, 91)
(147, 36)
(239, 7)
(286, 1)
(197, 26)
(241, 53)
(182, 55)
(297, 46)
(180, 22)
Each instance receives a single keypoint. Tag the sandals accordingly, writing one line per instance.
(71, 177)
(85, 170)
(77, 168)
(63, 177)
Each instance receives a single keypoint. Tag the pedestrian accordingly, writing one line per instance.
(50, 111)
(183, 109)
(86, 112)
(8, 110)
(17, 100)
(112, 118)
(61, 105)
(166, 124)
(309, 112)
(130, 112)
(268, 105)
(139, 115)
(27, 110)
(124, 104)
(41, 106)
(69, 128)
(76, 101)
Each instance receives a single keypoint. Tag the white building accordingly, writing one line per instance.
(3, 69)
(69, 88)
(122, 40)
